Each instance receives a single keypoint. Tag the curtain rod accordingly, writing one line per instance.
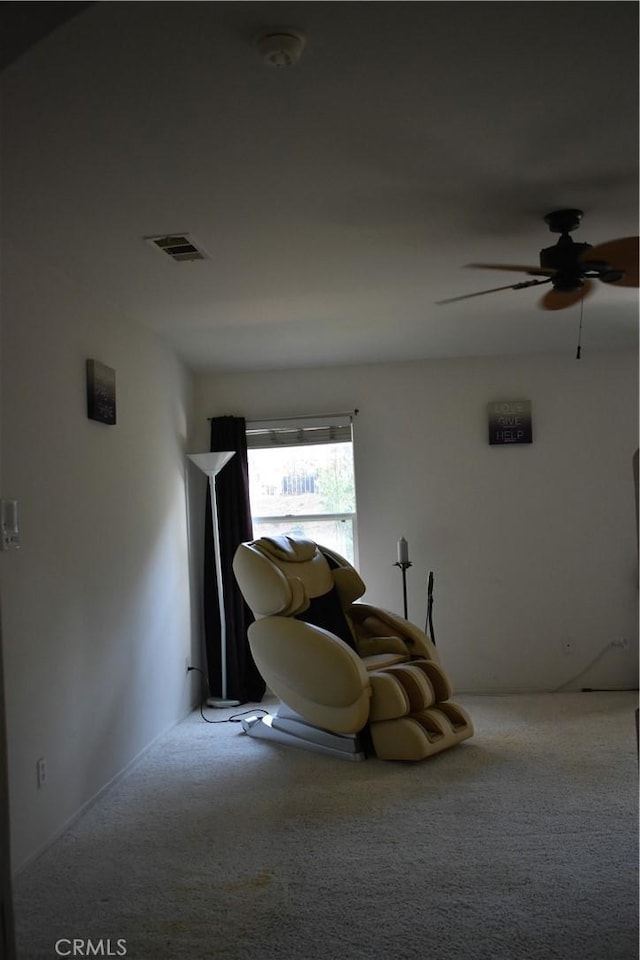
(312, 416)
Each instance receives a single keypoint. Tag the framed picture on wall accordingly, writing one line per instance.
(510, 422)
(101, 392)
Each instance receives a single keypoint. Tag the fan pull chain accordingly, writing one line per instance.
(580, 329)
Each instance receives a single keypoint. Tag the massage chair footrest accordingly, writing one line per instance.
(421, 735)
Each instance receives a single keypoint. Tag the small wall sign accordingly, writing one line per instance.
(510, 422)
(101, 392)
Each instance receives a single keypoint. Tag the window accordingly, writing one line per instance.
(301, 481)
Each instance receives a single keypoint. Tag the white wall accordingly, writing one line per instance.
(533, 547)
(97, 618)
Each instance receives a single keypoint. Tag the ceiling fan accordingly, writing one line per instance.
(570, 267)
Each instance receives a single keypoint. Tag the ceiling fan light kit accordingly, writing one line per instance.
(569, 266)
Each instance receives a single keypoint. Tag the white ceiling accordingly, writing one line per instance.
(337, 199)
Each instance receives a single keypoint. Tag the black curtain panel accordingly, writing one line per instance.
(244, 683)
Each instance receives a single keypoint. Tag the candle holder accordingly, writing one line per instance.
(404, 566)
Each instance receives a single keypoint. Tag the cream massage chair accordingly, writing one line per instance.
(353, 680)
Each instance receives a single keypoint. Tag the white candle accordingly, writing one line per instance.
(403, 551)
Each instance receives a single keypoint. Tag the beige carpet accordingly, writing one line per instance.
(520, 844)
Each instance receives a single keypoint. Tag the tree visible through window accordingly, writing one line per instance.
(306, 489)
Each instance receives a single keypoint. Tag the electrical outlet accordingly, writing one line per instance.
(41, 772)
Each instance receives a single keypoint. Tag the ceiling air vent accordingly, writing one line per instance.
(178, 246)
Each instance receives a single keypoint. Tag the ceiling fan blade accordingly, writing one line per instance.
(481, 293)
(517, 267)
(559, 299)
(619, 255)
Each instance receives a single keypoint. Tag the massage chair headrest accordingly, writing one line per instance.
(287, 549)
(281, 575)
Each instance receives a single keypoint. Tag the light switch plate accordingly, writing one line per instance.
(9, 527)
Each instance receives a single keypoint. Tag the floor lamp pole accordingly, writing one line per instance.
(212, 464)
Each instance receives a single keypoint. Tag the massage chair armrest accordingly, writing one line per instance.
(372, 646)
(375, 623)
(313, 671)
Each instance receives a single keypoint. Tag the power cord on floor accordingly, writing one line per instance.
(236, 717)
(590, 664)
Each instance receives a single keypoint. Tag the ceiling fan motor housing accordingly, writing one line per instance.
(563, 257)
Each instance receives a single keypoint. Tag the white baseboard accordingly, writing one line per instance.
(94, 799)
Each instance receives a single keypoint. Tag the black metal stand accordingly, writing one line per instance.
(429, 624)
(404, 566)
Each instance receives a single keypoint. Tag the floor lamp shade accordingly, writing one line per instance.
(211, 464)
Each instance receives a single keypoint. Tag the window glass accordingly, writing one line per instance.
(305, 490)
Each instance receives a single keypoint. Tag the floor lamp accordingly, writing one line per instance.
(212, 464)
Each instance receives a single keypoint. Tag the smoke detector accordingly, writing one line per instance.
(281, 47)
